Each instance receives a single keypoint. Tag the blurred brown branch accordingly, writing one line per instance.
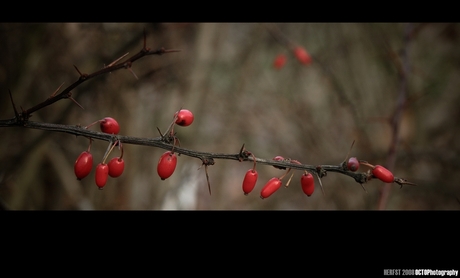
(395, 121)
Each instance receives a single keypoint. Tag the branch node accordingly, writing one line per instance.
(244, 154)
(320, 172)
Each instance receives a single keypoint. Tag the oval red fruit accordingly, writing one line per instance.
(116, 167)
(270, 187)
(383, 174)
(279, 61)
(109, 125)
(308, 184)
(166, 165)
(249, 181)
(302, 55)
(102, 173)
(184, 117)
(353, 164)
(83, 165)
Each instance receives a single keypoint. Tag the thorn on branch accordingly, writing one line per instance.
(161, 134)
(116, 61)
(320, 172)
(127, 66)
(402, 182)
(82, 75)
(133, 73)
(57, 90)
(244, 154)
(16, 114)
(206, 162)
(72, 99)
(162, 51)
(145, 48)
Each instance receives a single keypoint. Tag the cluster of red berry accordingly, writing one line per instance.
(84, 163)
(299, 52)
(168, 161)
(306, 180)
(249, 182)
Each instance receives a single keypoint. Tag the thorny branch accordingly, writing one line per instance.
(67, 92)
(164, 142)
(207, 158)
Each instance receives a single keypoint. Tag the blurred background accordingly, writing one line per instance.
(224, 73)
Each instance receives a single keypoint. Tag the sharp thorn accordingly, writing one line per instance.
(114, 62)
(161, 134)
(207, 178)
(57, 90)
(133, 73)
(320, 184)
(78, 70)
(72, 99)
(16, 114)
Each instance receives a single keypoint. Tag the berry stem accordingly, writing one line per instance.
(287, 171)
(90, 143)
(363, 162)
(90, 125)
(109, 150)
(121, 149)
(254, 159)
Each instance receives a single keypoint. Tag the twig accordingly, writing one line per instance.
(206, 157)
(66, 93)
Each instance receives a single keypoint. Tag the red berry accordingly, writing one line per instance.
(302, 55)
(116, 167)
(83, 165)
(102, 173)
(383, 174)
(308, 184)
(279, 61)
(184, 117)
(353, 164)
(249, 181)
(279, 158)
(109, 125)
(166, 165)
(270, 187)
